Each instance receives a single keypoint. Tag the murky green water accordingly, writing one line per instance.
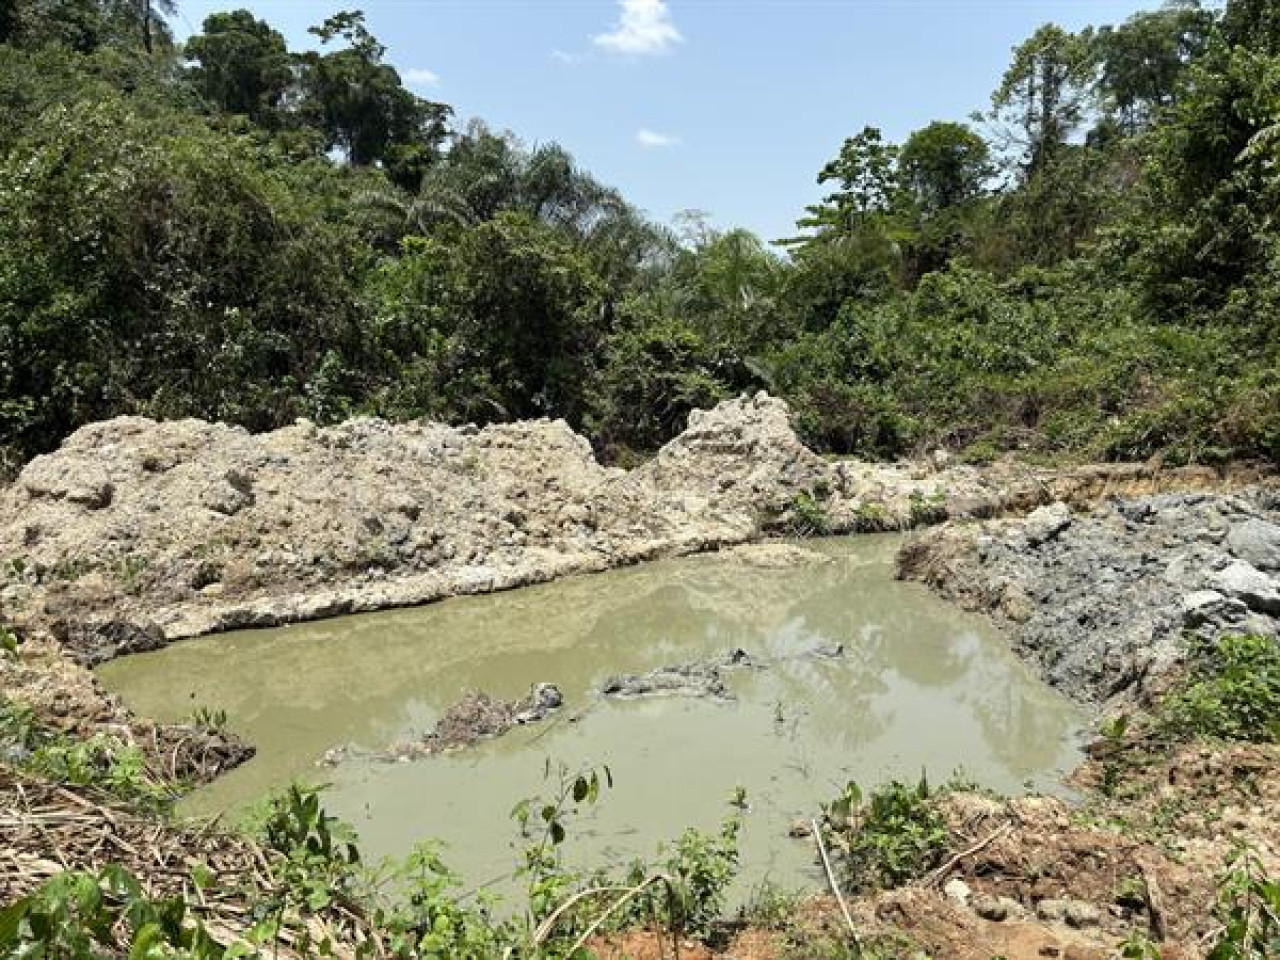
(922, 685)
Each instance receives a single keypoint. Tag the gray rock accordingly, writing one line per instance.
(1074, 913)
(1046, 523)
(995, 909)
(1249, 585)
(1209, 606)
(1257, 542)
(957, 891)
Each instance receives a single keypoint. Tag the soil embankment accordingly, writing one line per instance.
(1110, 601)
(137, 532)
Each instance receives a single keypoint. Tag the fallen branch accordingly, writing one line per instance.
(935, 878)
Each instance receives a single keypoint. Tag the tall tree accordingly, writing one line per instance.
(944, 165)
(1143, 61)
(363, 109)
(866, 179)
(1043, 96)
(242, 65)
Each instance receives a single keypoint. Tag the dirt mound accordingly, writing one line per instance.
(136, 532)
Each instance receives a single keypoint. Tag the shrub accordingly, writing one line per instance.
(1232, 693)
(897, 835)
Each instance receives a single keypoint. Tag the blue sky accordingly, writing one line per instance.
(728, 106)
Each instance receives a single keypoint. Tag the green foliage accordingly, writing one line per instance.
(9, 643)
(428, 920)
(78, 916)
(320, 853)
(101, 761)
(242, 66)
(242, 232)
(1233, 692)
(701, 867)
(808, 515)
(895, 836)
(543, 825)
(1249, 908)
(209, 719)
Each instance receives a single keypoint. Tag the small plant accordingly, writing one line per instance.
(76, 916)
(8, 643)
(130, 571)
(18, 728)
(209, 719)
(925, 510)
(1138, 946)
(1113, 733)
(701, 866)
(542, 824)
(428, 919)
(809, 515)
(1233, 692)
(896, 836)
(1249, 908)
(770, 907)
(15, 569)
(102, 761)
(872, 517)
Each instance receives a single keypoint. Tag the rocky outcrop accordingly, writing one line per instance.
(1101, 600)
(137, 532)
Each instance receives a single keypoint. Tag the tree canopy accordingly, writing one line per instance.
(236, 230)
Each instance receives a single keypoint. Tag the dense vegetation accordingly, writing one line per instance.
(233, 230)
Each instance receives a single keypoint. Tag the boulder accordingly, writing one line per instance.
(1046, 523)
(1257, 542)
(1249, 585)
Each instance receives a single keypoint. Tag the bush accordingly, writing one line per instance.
(1232, 692)
(896, 836)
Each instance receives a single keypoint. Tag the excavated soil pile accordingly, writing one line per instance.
(1103, 600)
(137, 532)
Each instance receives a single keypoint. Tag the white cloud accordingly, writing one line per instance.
(644, 28)
(420, 76)
(652, 140)
(561, 56)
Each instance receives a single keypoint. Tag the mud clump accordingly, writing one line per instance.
(696, 680)
(474, 718)
(1102, 600)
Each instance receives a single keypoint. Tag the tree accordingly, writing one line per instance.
(144, 18)
(1254, 24)
(1043, 96)
(865, 172)
(359, 103)
(1143, 61)
(8, 21)
(944, 165)
(242, 65)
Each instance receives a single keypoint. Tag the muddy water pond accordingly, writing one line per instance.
(920, 686)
